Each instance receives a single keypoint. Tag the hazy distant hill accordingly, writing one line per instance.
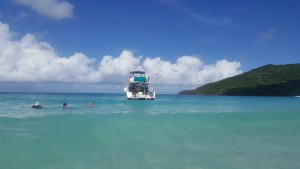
(269, 80)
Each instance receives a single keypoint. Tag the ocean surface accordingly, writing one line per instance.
(171, 132)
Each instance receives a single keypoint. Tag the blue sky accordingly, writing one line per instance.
(200, 38)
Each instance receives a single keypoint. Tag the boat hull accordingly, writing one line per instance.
(140, 96)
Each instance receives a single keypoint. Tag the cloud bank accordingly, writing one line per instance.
(30, 60)
(54, 9)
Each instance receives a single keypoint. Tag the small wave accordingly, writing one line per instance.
(23, 130)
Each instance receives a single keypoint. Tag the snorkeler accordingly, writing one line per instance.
(37, 104)
(65, 105)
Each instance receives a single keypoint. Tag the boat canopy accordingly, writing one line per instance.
(137, 72)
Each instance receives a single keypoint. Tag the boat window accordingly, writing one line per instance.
(137, 75)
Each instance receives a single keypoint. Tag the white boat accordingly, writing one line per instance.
(139, 87)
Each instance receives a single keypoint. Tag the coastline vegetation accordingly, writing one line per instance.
(268, 80)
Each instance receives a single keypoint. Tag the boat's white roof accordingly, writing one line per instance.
(142, 72)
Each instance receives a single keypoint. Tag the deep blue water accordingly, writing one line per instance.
(171, 132)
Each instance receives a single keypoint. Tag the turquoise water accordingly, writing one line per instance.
(171, 132)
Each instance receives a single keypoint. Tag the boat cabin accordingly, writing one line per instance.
(138, 76)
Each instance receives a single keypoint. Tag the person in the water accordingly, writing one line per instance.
(65, 105)
(37, 104)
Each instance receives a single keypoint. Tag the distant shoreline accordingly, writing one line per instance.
(268, 80)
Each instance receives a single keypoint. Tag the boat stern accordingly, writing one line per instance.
(140, 96)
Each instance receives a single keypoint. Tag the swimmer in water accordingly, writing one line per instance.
(37, 104)
(65, 105)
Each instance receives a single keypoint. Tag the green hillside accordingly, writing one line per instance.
(269, 80)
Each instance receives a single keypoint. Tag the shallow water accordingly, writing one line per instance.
(176, 132)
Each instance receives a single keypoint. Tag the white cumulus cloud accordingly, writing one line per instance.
(55, 9)
(189, 70)
(31, 60)
(115, 70)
